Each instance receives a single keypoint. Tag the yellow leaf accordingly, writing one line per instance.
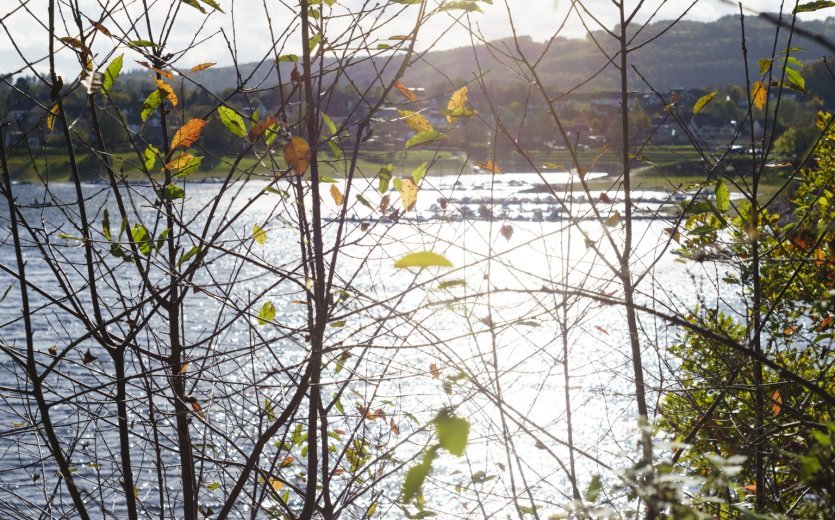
(408, 194)
(297, 154)
(776, 403)
(181, 160)
(458, 100)
(415, 121)
(163, 73)
(198, 68)
(50, 117)
(400, 37)
(276, 484)
(259, 234)
(422, 259)
(489, 166)
(337, 195)
(184, 367)
(168, 91)
(759, 94)
(188, 133)
(406, 91)
(102, 29)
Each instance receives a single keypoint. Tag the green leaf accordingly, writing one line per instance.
(422, 259)
(232, 121)
(150, 104)
(723, 197)
(335, 149)
(111, 73)
(314, 41)
(416, 476)
(213, 486)
(385, 177)
(420, 172)
(795, 80)
(453, 433)
(449, 284)
(462, 5)
(362, 200)
(329, 123)
(105, 226)
(594, 489)
(259, 234)
(173, 192)
(703, 101)
(214, 5)
(809, 7)
(288, 58)
(427, 137)
(142, 239)
(266, 314)
(65, 236)
(188, 255)
(194, 4)
(327, 180)
(141, 43)
(161, 238)
(150, 157)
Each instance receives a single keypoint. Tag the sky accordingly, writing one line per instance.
(245, 25)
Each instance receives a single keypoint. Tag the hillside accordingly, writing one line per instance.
(691, 55)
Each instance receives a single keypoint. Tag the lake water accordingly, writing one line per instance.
(413, 342)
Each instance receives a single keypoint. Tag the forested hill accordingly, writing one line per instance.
(690, 55)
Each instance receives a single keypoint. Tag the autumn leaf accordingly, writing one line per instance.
(168, 91)
(102, 29)
(338, 198)
(182, 160)
(50, 117)
(489, 166)
(408, 194)
(261, 127)
(422, 259)
(776, 403)
(457, 101)
(506, 231)
(415, 121)
(259, 234)
(202, 66)
(703, 101)
(384, 203)
(297, 154)
(613, 220)
(197, 408)
(394, 428)
(825, 323)
(433, 369)
(759, 94)
(406, 91)
(188, 133)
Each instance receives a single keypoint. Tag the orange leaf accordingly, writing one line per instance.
(490, 166)
(751, 488)
(601, 329)
(759, 94)
(163, 73)
(197, 408)
(788, 331)
(406, 91)
(182, 160)
(168, 90)
(433, 369)
(338, 198)
(261, 127)
(102, 29)
(202, 66)
(188, 133)
(287, 461)
(776, 403)
(297, 154)
(825, 323)
(394, 427)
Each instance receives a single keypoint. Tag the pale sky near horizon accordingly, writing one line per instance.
(26, 26)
